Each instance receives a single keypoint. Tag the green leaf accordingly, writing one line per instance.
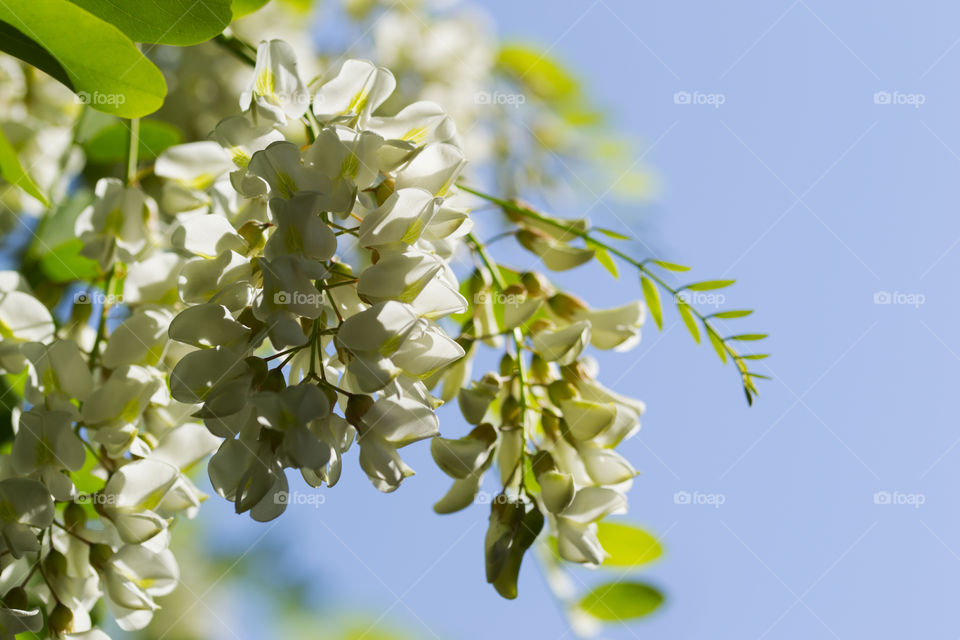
(709, 285)
(13, 172)
(652, 297)
(603, 258)
(670, 266)
(618, 601)
(177, 22)
(689, 319)
(756, 356)
(109, 145)
(65, 264)
(102, 65)
(545, 77)
(241, 8)
(627, 545)
(746, 337)
(15, 43)
(612, 234)
(742, 313)
(718, 345)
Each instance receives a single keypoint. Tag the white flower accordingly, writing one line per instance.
(421, 279)
(355, 93)
(276, 92)
(400, 220)
(153, 280)
(23, 318)
(58, 373)
(251, 478)
(562, 345)
(132, 577)
(120, 221)
(224, 279)
(435, 168)
(25, 505)
(392, 423)
(280, 169)
(301, 232)
(243, 138)
(207, 235)
(140, 339)
(47, 445)
(617, 328)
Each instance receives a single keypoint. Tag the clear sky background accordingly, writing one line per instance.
(815, 198)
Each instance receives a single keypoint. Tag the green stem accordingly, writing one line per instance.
(491, 265)
(133, 148)
(237, 47)
(102, 324)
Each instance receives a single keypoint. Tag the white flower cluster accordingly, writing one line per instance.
(282, 301)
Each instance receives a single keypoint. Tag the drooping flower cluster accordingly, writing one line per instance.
(281, 302)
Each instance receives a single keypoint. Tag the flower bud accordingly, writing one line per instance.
(55, 563)
(539, 368)
(551, 423)
(274, 381)
(61, 619)
(566, 305)
(16, 598)
(384, 190)
(357, 408)
(559, 391)
(515, 289)
(535, 283)
(510, 411)
(331, 393)
(100, 554)
(508, 366)
(74, 516)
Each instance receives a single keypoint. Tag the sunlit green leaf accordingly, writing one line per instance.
(109, 145)
(709, 285)
(627, 545)
(65, 264)
(718, 345)
(612, 234)
(545, 77)
(670, 266)
(756, 356)
(177, 22)
(13, 172)
(688, 319)
(244, 7)
(604, 258)
(741, 313)
(103, 66)
(746, 337)
(618, 601)
(19, 45)
(652, 297)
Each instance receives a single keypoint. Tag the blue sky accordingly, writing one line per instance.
(817, 196)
